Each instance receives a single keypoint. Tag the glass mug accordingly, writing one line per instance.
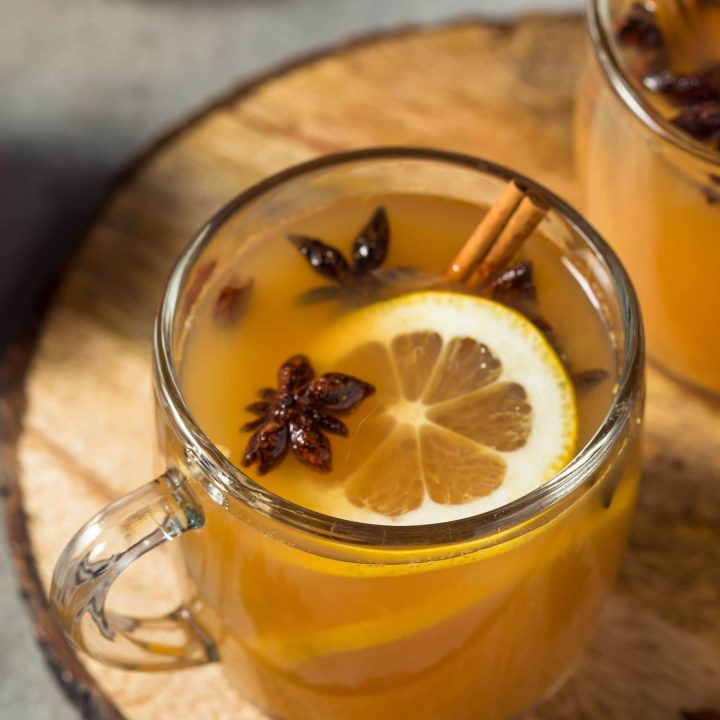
(315, 617)
(653, 193)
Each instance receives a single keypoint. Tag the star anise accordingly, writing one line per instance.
(515, 287)
(639, 28)
(701, 120)
(511, 285)
(232, 301)
(686, 88)
(299, 413)
(697, 93)
(640, 36)
(351, 278)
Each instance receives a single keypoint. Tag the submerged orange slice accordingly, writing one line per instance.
(474, 409)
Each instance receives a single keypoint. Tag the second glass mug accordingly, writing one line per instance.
(653, 193)
(317, 618)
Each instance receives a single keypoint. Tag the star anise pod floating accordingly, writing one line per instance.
(298, 414)
(515, 287)
(512, 285)
(639, 28)
(199, 279)
(352, 278)
(232, 301)
(702, 120)
(639, 34)
(686, 88)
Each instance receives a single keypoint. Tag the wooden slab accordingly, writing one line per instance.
(78, 428)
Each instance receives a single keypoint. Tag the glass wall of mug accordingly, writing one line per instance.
(654, 194)
(320, 618)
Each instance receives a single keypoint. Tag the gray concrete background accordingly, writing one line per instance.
(83, 85)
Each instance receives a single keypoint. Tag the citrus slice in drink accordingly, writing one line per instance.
(473, 409)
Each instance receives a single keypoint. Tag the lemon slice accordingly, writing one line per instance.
(473, 409)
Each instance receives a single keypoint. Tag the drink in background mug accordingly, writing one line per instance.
(650, 187)
(323, 617)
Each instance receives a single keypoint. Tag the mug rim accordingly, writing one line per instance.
(226, 480)
(614, 71)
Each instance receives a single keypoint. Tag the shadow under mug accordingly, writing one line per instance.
(320, 617)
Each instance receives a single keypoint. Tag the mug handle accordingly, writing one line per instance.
(124, 531)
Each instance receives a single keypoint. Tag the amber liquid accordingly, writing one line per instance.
(224, 365)
(659, 208)
(317, 630)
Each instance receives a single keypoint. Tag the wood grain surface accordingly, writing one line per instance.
(77, 425)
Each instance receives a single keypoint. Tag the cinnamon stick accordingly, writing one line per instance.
(486, 233)
(520, 226)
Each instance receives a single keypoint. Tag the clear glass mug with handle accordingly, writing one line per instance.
(652, 191)
(509, 596)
